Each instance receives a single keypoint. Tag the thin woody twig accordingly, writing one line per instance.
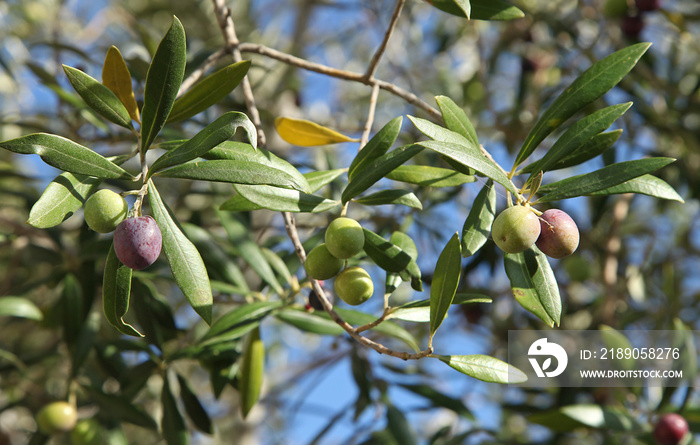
(387, 35)
(199, 72)
(370, 116)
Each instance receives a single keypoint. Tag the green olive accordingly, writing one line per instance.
(354, 286)
(345, 238)
(515, 229)
(321, 265)
(86, 432)
(57, 417)
(104, 211)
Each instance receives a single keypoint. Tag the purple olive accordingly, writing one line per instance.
(632, 26)
(671, 429)
(559, 235)
(647, 5)
(137, 242)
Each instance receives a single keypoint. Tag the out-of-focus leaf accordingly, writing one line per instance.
(391, 257)
(439, 399)
(595, 416)
(71, 303)
(481, 9)
(209, 137)
(85, 341)
(209, 91)
(61, 198)
(391, 197)
(123, 409)
(427, 176)
(251, 372)
(162, 83)
(484, 367)
(193, 407)
(308, 134)
(534, 285)
(153, 313)
(116, 289)
(445, 280)
(456, 119)
(19, 307)
(377, 169)
(602, 179)
(309, 322)
(319, 179)
(98, 97)
(376, 147)
(66, 155)
(239, 235)
(477, 226)
(116, 77)
(589, 86)
(616, 339)
(419, 311)
(399, 426)
(185, 262)
(281, 200)
(172, 423)
(277, 264)
(645, 185)
(387, 328)
(594, 147)
(238, 322)
(361, 373)
(578, 135)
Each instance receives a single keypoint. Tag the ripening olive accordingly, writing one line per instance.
(104, 210)
(354, 285)
(344, 238)
(56, 417)
(559, 235)
(515, 229)
(137, 242)
(671, 429)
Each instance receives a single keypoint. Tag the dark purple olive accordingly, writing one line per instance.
(137, 242)
(559, 235)
(671, 429)
(647, 5)
(632, 26)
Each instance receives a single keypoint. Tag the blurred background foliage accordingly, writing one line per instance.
(636, 266)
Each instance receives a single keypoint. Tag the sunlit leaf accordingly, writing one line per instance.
(310, 322)
(19, 307)
(238, 322)
(308, 134)
(477, 226)
(61, 198)
(445, 280)
(391, 257)
(392, 197)
(377, 146)
(419, 311)
(594, 147)
(281, 200)
(484, 367)
(116, 289)
(645, 185)
(427, 176)
(98, 97)
(251, 372)
(480, 9)
(456, 119)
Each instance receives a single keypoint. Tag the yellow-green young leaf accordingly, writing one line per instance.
(116, 77)
(308, 134)
(252, 372)
(19, 307)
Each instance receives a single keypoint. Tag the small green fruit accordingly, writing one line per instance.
(354, 286)
(515, 229)
(104, 211)
(345, 238)
(57, 417)
(86, 432)
(321, 265)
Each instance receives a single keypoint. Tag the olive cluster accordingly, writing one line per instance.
(344, 239)
(517, 228)
(137, 240)
(61, 417)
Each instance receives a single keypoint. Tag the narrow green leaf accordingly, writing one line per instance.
(394, 279)
(485, 368)
(594, 147)
(193, 407)
(589, 86)
(186, 264)
(209, 91)
(238, 322)
(362, 375)
(377, 169)
(419, 311)
(602, 179)
(578, 135)
(456, 119)
(465, 6)
(309, 322)
(85, 341)
(66, 155)
(481, 9)
(613, 339)
(71, 308)
(239, 235)
(153, 313)
(391, 257)
(98, 97)
(445, 280)
(277, 264)
(319, 179)
(162, 83)
(391, 197)
(237, 151)
(477, 226)
(281, 200)
(427, 176)
(645, 185)
(19, 307)
(439, 399)
(376, 147)
(116, 77)
(237, 203)
(251, 372)
(116, 289)
(399, 427)
(473, 158)
(212, 135)
(61, 198)
(235, 172)
(172, 423)
(534, 285)
(121, 408)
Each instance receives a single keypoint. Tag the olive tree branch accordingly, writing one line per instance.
(387, 35)
(197, 74)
